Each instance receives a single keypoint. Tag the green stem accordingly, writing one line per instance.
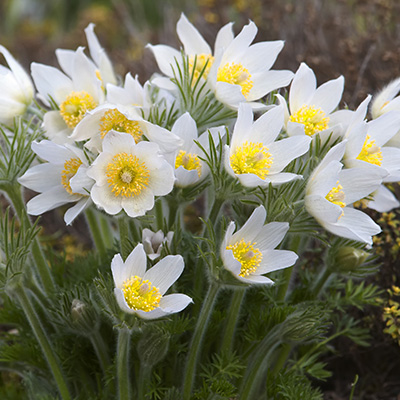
(233, 316)
(15, 195)
(96, 232)
(144, 375)
(320, 282)
(282, 357)
(44, 342)
(124, 237)
(123, 347)
(101, 350)
(159, 214)
(106, 231)
(173, 206)
(215, 209)
(197, 339)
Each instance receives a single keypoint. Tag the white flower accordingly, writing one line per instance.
(128, 175)
(383, 200)
(237, 71)
(254, 157)
(249, 252)
(331, 191)
(75, 93)
(96, 124)
(189, 168)
(310, 107)
(16, 89)
(142, 292)
(61, 180)
(153, 242)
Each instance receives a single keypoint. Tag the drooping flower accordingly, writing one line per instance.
(62, 179)
(310, 107)
(237, 71)
(128, 175)
(142, 292)
(109, 117)
(16, 89)
(153, 242)
(331, 192)
(250, 252)
(254, 157)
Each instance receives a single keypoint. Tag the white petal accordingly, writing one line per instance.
(185, 177)
(242, 126)
(164, 274)
(74, 211)
(384, 200)
(262, 55)
(322, 209)
(266, 128)
(252, 227)
(282, 177)
(135, 264)
(391, 162)
(384, 128)
(81, 183)
(271, 235)
(328, 95)
(56, 128)
(137, 205)
(185, 127)
(119, 295)
(303, 87)
(229, 94)
(385, 95)
(42, 177)
(165, 57)
(176, 302)
(274, 260)
(224, 37)
(193, 42)
(66, 60)
(105, 199)
(52, 152)
(256, 280)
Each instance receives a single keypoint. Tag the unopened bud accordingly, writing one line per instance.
(77, 310)
(349, 258)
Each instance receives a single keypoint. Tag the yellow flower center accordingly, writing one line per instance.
(249, 256)
(251, 158)
(337, 196)
(71, 166)
(141, 294)
(115, 120)
(188, 161)
(127, 176)
(198, 63)
(236, 74)
(313, 119)
(370, 152)
(75, 107)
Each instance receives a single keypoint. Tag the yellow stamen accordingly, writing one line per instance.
(251, 158)
(202, 60)
(337, 196)
(313, 119)
(113, 119)
(71, 166)
(236, 74)
(188, 161)
(126, 175)
(75, 107)
(370, 152)
(141, 294)
(249, 256)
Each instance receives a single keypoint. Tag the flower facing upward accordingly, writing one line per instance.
(129, 175)
(254, 157)
(249, 252)
(16, 89)
(142, 292)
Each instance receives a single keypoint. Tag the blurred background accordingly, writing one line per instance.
(359, 39)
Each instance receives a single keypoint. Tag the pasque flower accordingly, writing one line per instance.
(62, 179)
(250, 252)
(153, 242)
(128, 175)
(16, 89)
(331, 192)
(254, 157)
(142, 292)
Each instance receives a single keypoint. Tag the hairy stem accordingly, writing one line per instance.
(95, 230)
(123, 347)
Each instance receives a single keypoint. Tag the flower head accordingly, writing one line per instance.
(128, 175)
(153, 242)
(254, 157)
(249, 253)
(16, 89)
(142, 292)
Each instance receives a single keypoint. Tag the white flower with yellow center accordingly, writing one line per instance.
(331, 192)
(154, 242)
(128, 175)
(189, 168)
(310, 108)
(62, 179)
(250, 252)
(254, 157)
(142, 292)
(108, 117)
(74, 93)
(16, 89)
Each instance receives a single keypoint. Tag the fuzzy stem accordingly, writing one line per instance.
(96, 232)
(215, 209)
(320, 282)
(233, 316)
(124, 237)
(123, 346)
(282, 357)
(44, 342)
(15, 195)
(197, 339)
(173, 206)
(106, 231)
(144, 374)
(159, 214)
(101, 350)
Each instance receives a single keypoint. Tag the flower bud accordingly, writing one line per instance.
(349, 258)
